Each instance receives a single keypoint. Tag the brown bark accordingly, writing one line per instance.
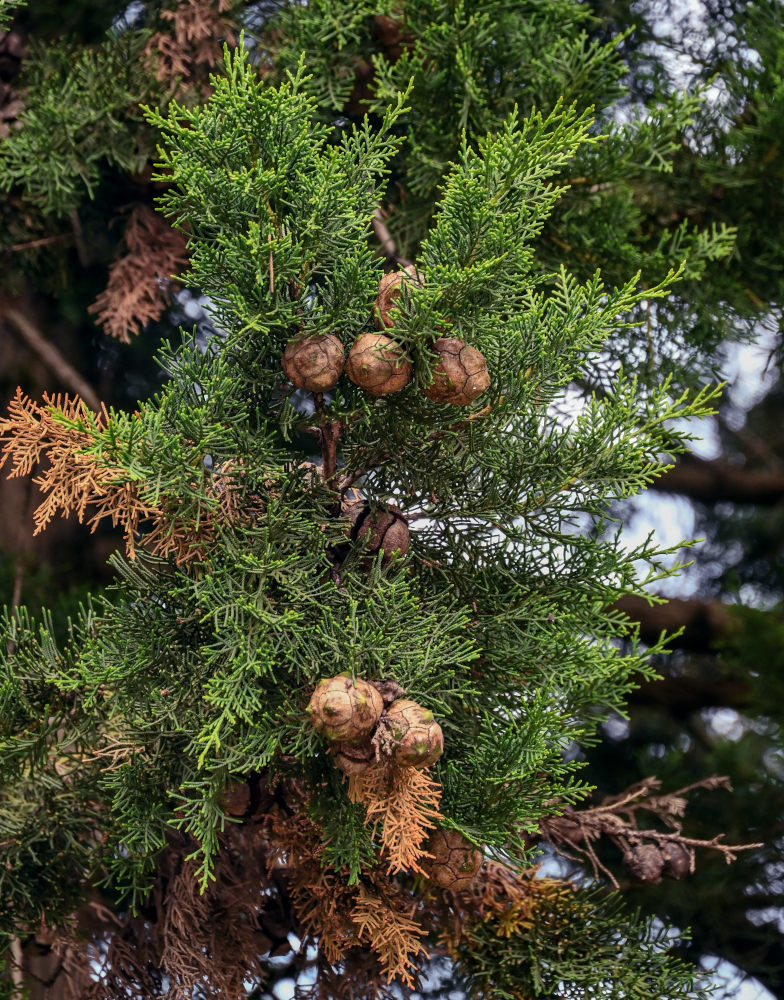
(702, 684)
(686, 694)
(44, 977)
(714, 480)
(703, 622)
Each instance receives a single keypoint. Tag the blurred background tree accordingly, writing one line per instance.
(691, 98)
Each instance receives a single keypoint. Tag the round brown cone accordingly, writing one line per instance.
(345, 709)
(376, 363)
(644, 862)
(385, 531)
(389, 290)
(416, 736)
(456, 862)
(353, 758)
(313, 363)
(460, 374)
(677, 860)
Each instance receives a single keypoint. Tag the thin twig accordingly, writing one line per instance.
(387, 244)
(82, 250)
(605, 820)
(17, 974)
(42, 242)
(51, 357)
(330, 431)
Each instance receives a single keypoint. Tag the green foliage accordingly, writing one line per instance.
(76, 120)
(258, 183)
(333, 38)
(495, 793)
(472, 65)
(580, 946)
(47, 817)
(348, 844)
(496, 619)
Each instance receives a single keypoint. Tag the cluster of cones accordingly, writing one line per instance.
(648, 862)
(378, 364)
(366, 723)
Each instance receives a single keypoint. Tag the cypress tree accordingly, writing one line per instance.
(364, 614)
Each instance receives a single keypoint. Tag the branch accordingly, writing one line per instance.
(753, 444)
(51, 357)
(32, 244)
(329, 433)
(702, 681)
(714, 480)
(349, 478)
(648, 853)
(15, 963)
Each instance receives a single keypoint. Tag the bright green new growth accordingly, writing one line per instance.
(473, 63)
(497, 619)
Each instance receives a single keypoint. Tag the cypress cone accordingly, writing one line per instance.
(416, 736)
(644, 862)
(314, 363)
(389, 290)
(384, 530)
(456, 862)
(377, 365)
(353, 758)
(344, 708)
(677, 860)
(460, 375)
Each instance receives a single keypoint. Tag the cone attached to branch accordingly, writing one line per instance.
(415, 736)
(460, 375)
(376, 363)
(677, 860)
(314, 363)
(385, 531)
(353, 758)
(644, 862)
(345, 709)
(390, 289)
(381, 530)
(456, 862)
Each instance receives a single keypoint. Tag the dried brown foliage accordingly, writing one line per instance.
(185, 55)
(345, 921)
(139, 280)
(403, 803)
(574, 833)
(270, 880)
(322, 900)
(507, 899)
(381, 921)
(217, 927)
(208, 942)
(60, 433)
(176, 533)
